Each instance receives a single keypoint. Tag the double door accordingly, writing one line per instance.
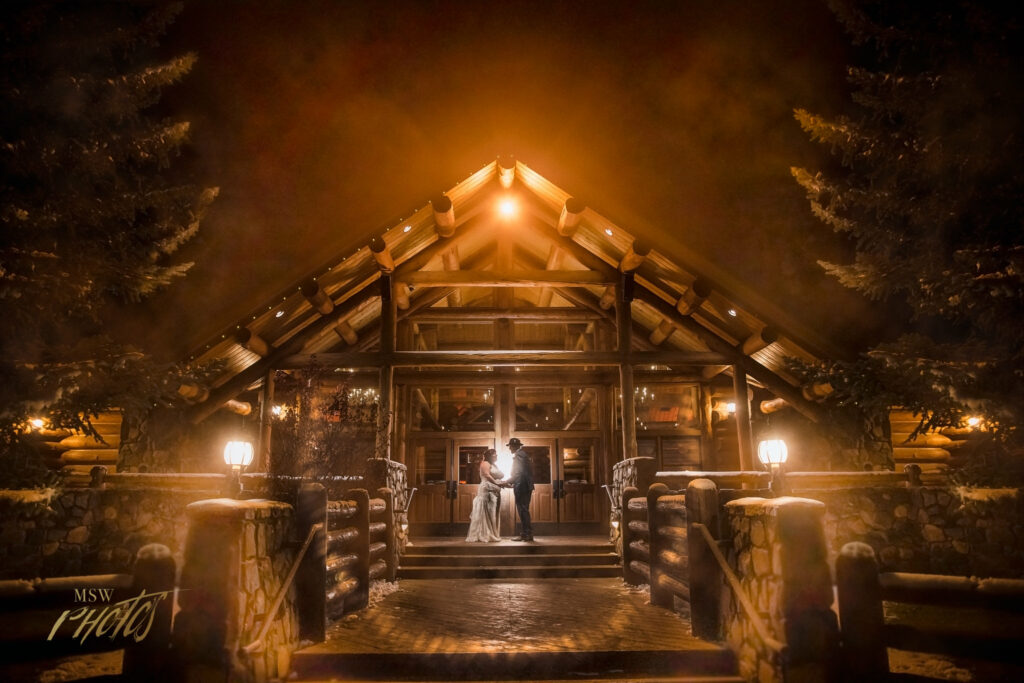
(446, 475)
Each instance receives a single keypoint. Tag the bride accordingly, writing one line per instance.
(483, 521)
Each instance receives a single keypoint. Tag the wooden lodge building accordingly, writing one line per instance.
(507, 307)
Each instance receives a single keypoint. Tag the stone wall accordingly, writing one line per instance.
(930, 529)
(237, 557)
(777, 551)
(393, 475)
(89, 531)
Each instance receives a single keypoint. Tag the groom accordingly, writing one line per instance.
(521, 482)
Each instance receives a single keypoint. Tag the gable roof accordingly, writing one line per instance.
(564, 254)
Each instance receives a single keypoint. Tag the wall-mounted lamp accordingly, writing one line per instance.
(238, 456)
(773, 454)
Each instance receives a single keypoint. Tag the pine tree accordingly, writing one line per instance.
(928, 188)
(92, 213)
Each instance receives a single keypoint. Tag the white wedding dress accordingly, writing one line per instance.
(483, 520)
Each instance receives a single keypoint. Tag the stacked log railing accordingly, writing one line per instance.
(668, 562)
(636, 547)
(360, 548)
(867, 631)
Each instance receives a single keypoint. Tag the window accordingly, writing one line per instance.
(556, 408)
(452, 409)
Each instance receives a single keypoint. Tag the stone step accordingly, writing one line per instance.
(683, 666)
(488, 560)
(521, 548)
(575, 571)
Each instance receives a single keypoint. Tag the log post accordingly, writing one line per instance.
(913, 471)
(311, 578)
(627, 516)
(860, 614)
(569, 219)
(705, 574)
(624, 330)
(391, 556)
(634, 257)
(662, 332)
(659, 596)
(382, 255)
(154, 572)
(361, 597)
(266, 422)
(607, 298)
(344, 330)
(743, 432)
(444, 215)
(388, 330)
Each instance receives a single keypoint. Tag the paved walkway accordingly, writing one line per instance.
(549, 615)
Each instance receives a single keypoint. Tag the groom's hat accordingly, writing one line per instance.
(514, 443)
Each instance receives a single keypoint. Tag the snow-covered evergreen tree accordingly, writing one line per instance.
(928, 187)
(91, 211)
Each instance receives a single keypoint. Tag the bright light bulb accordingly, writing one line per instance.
(36, 422)
(732, 312)
(407, 228)
(730, 407)
(608, 231)
(279, 314)
(973, 421)
(508, 208)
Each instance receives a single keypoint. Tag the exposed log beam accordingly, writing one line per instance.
(560, 314)
(773, 405)
(759, 340)
(402, 293)
(506, 170)
(256, 371)
(662, 332)
(193, 392)
(382, 255)
(554, 262)
(253, 342)
(569, 218)
(769, 379)
(816, 392)
(693, 297)
(238, 407)
(634, 256)
(582, 297)
(712, 371)
(505, 278)
(607, 297)
(317, 297)
(503, 358)
(450, 260)
(444, 215)
(346, 332)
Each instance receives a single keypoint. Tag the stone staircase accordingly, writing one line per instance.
(546, 559)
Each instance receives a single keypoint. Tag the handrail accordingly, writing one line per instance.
(408, 501)
(737, 589)
(608, 490)
(283, 590)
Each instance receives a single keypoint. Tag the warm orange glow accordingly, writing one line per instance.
(37, 423)
(508, 208)
(973, 421)
(730, 407)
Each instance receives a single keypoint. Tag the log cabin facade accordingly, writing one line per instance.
(507, 307)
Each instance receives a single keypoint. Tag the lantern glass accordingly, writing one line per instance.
(238, 454)
(772, 452)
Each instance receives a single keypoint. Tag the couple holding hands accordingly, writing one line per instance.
(483, 521)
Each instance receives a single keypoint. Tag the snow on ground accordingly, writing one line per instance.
(76, 668)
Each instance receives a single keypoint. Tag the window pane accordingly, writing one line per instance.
(578, 464)
(451, 409)
(556, 408)
(430, 463)
(647, 448)
(469, 463)
(668, 406)
(541, 457)
(680, 453)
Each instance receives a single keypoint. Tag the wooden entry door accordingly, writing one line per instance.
(542, 504)
(468, 453)
(433, 478)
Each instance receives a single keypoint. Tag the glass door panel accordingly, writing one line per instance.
(432, 478)
(577, 488)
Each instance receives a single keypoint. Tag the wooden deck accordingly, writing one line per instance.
(452, 629)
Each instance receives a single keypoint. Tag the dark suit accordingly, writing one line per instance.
(522, 486)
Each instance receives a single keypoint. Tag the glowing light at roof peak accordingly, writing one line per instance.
(508, 208)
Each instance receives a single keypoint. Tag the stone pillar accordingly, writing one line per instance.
(779, 556)
(236, 557)
(705, 574)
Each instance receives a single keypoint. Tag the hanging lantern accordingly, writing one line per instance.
(772, 452)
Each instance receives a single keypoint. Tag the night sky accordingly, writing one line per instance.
(323, 121)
